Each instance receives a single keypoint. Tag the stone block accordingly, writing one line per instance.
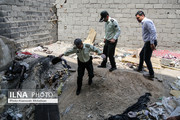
(158, 5)
(139, 5)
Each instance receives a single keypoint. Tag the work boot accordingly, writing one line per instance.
(100, 66)
(90, 81)
(112, 69)
(148, 76)
(78, 91)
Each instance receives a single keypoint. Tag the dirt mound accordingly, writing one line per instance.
(110, 93)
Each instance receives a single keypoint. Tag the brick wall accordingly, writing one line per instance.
(76, 17)
(28, 22)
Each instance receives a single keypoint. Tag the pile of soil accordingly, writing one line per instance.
(110, 94)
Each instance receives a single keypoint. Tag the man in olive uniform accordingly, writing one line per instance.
(84, 60)
(112, 32)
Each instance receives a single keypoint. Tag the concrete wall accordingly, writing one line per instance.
(76, 17)
(27, 21)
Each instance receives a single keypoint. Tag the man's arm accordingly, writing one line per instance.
(71, 51)
(117, 29)
(152, 30)
(95, 49)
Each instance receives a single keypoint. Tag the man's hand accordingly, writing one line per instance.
(112, 40)
(61, 55)
(153, 47)
(104, 40)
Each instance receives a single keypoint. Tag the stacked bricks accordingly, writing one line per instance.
(28, 22)
(76, 17)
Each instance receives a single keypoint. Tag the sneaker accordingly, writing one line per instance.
(100, 66)
(90, 81)
(112, 69)
(148, 76)
(78, 91)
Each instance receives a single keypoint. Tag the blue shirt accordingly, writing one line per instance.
(148, 30)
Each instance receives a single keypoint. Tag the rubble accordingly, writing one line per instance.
(3, 101)
(42, 49)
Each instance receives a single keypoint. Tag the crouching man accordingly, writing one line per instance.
(84, 60)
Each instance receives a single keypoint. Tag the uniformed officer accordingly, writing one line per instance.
(84, 60)
(112, 32)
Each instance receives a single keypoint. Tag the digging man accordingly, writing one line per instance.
(84, 60)
(150, 42)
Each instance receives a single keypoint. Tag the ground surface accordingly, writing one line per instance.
(110, 93)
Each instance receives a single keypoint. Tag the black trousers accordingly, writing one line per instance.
(145, 55)
(81, 68)
(109, 50)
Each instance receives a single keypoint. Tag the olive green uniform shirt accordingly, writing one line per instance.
(112, 29)
(84, 53)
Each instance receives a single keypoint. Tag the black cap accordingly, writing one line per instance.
(77, 41)
(103, 14)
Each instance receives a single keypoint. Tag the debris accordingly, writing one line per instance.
(91, 37)
(166, 54)
(72, 70)
(68, 109)
(3, 100)
(130, 65)
(155, 61)
(136, 53)
(58, 59)
(42, 49)
(90, 116)
(35, 56)
(19, 115)
(175, 85)
(175, 93)
(166, 103)
(12, 113)
(173, 68)
(29, 112)
(15, 70)
(22, 55)
(138, 106)
(169, 62)
(26, 53)
(25, 64)
(176, 112)
(59, 90)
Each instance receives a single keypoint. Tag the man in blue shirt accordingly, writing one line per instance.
(150, 43)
